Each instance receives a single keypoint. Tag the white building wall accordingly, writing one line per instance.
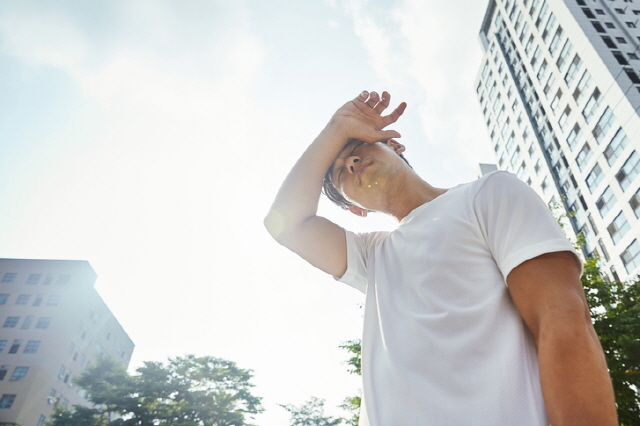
(557, 98)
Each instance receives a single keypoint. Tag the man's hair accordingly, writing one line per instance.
(332, 193)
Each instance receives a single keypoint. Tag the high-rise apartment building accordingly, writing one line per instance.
(559, 88)
(53, 325)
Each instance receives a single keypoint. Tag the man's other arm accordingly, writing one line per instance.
(575, 381)
(292, 220)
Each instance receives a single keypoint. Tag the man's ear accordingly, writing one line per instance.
(358, 211)
(396, 146)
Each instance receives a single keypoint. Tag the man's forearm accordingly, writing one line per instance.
(297, 199)
(575, 381)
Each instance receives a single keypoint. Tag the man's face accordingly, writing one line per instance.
(362, 173)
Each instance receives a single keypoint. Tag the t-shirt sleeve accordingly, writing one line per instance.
(359, 250)
(517, 225)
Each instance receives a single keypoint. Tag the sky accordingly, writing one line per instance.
(150, 137)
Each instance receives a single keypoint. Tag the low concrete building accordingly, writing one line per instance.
(53, 325)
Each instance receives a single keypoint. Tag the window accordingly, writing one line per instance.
(564, 118)
(38, 300)
(598, 26)
(542, 72)
(634, 202)
(594, 178)
(23, 299)
(27, 322)
(622, 60)
(582, 88)
(3, 298)
(43, 322)
(631, 256)
(19, 373)
(537, 167)
(609, 42)
(551, 22)
(609, 25)
(592, 105)
(6, 400)
(564, 55)
(556, 100)
(536, 56)
(555, 41)
(34, 278)
(32, 347)
(631, 25)
(53, 300)
(63, 279)
(584, 155)
(615, 148)
(619, 11)
(11, 322)
(573, 136)
(3, 371)
(588, 13)
(632, 74)
(550, 83)
(621, 40)
(629, 171)
(41, 420)
(9, 277)
(510, 142)
(604, 124)
(572, 72)
(3, 344)
(15, 346)
(515, 159)
(61, 371)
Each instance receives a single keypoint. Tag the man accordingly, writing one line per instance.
(474, 310)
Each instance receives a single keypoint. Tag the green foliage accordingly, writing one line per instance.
(354, 347)
(80, 416)
(185, 391)
(615, 310)
(311, 413)
(352, 404)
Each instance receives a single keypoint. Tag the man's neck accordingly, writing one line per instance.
(410, 193)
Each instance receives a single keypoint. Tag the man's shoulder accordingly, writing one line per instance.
(498, 181)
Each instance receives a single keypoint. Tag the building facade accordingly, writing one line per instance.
(559, 87)
(53, 325)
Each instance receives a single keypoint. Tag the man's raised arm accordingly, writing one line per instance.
(292, 220)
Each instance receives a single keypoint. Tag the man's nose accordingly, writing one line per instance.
(351, 163)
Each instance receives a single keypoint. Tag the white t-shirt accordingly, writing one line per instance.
(443, 344)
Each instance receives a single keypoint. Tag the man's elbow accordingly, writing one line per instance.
(276, 225)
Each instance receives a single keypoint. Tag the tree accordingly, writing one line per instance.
(311, 413)
(185, 391)
(615, 310)
(80, 416)
(353, 403)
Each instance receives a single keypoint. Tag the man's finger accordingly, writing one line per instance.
(393, 117)
(384, 102)
(373, 99)
(362, 96)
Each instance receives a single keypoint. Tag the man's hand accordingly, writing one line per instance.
(362, 119)
(292, 220)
